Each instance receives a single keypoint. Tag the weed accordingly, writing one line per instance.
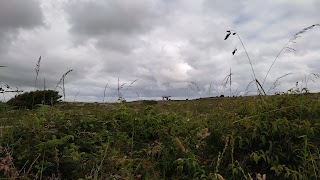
(104, 92)
(62, 80)
(120, 94)
(234, 32)
(37, 69)
(291, 40)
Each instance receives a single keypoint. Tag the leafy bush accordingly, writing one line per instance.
(29, 99)
(3, 106)
(276, 136)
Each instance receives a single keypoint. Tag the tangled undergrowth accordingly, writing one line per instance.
(261, 137)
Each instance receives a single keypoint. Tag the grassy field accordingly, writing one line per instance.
(260, 137)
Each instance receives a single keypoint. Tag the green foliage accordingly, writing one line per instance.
(209, 139)
(4, 106)
(45, 97)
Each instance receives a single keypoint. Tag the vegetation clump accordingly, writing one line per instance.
(29, 99)
(232, 138)
(261, 137)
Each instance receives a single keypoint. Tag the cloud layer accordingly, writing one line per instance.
(170, 47)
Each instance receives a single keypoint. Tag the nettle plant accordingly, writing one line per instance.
(292, 40)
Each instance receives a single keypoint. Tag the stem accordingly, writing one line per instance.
(254, 74)
(35, 83)
(75, 97)
(64, 92)
(44, 91)
(230, 82)
(209, 91)
(297, 35)
(118, 89)
(104, 93)
(188, 91)
(275, 61)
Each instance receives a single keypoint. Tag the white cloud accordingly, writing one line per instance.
(163, 44)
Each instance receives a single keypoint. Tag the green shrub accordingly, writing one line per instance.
(277, 137)
(3, 106)
(29, 99)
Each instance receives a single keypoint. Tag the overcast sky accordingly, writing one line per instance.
(168, 46)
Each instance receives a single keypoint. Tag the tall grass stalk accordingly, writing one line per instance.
(220, 156)
(37, 69)
(187, 90)
(291, 40)
(276, 82)
(247, 88)
(130, 85)
(234, 32)
(104, 92)
(120, 87)
(44, 91)
(1, 90)
(104, 154)
(226, 80)
(230, 81)
(75, 97)
(316, 76)
(209, 90)
(191, 84)
(62, 80)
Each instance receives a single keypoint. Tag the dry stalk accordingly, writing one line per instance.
(179, 144)
(62, 80)
(276, 82)
(291, 40)
(104, 92)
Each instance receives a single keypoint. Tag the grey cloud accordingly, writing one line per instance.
(100, 17)
(19, 14)
(121, 44)
(15, 15)
(164, 44)
(198, 34)
(109, 22)
(225, 8)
